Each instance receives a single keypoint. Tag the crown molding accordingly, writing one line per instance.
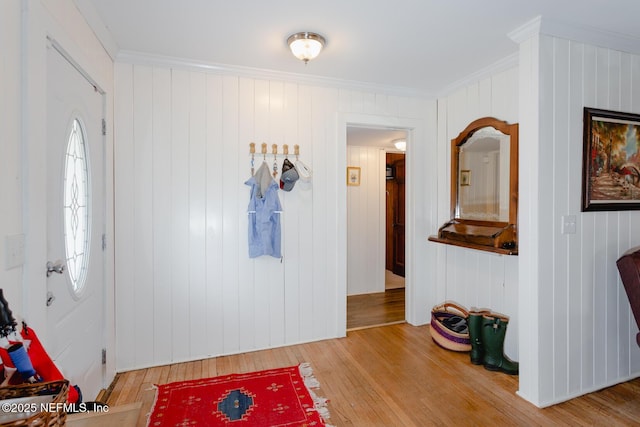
(582, 34)
(526, 30)
(140, 58)
(499, 66)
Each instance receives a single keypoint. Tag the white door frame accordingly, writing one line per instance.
(373, 121)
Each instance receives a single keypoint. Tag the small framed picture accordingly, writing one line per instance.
(465, 177)
(353, 175)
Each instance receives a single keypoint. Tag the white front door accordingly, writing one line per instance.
(75, 225)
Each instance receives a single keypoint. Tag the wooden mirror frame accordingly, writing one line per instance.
(493, 236)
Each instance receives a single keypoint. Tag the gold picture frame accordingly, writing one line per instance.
(465, 177)
(353, 175)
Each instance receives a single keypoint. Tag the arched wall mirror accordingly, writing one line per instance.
(484, 188)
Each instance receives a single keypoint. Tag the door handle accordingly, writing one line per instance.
(57, 267)
(50, 298)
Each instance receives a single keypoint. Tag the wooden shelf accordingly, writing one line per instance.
(501, 251)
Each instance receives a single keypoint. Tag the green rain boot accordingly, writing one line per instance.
(494, 330)
(474, 322)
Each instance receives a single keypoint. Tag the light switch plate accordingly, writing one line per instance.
(569, 224)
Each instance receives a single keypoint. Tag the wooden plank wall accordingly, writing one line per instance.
(471, 277)
(586, 331)
(185, 286)
(366, 222)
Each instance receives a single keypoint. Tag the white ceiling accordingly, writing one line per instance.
(374, 137)
(418, 45)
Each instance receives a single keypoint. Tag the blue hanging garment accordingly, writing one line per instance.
(264, 214)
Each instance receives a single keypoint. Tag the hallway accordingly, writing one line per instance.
(383, 308)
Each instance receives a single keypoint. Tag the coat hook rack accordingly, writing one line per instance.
(274, 151)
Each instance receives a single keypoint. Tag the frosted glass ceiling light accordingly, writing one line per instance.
(305, 45)
(400, 144)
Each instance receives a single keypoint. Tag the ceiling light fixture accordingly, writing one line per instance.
(400, 144)
(305, 45)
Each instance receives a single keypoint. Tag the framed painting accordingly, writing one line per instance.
(610, 161)
(353, 175)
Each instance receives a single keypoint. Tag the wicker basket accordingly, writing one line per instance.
(441, 331)
(57, 389)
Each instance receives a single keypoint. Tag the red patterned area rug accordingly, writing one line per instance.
(275, 397)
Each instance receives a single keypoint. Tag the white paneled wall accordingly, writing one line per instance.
(472, 277)
(366, 222)
(577, 308)
(11, 169)
(185, 286)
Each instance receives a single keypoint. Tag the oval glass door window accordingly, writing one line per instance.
(76, 207)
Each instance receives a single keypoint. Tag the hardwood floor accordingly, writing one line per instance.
(377, 309)
(393, 281)
(396, 376)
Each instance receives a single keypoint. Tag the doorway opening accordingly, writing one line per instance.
(375, 227)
